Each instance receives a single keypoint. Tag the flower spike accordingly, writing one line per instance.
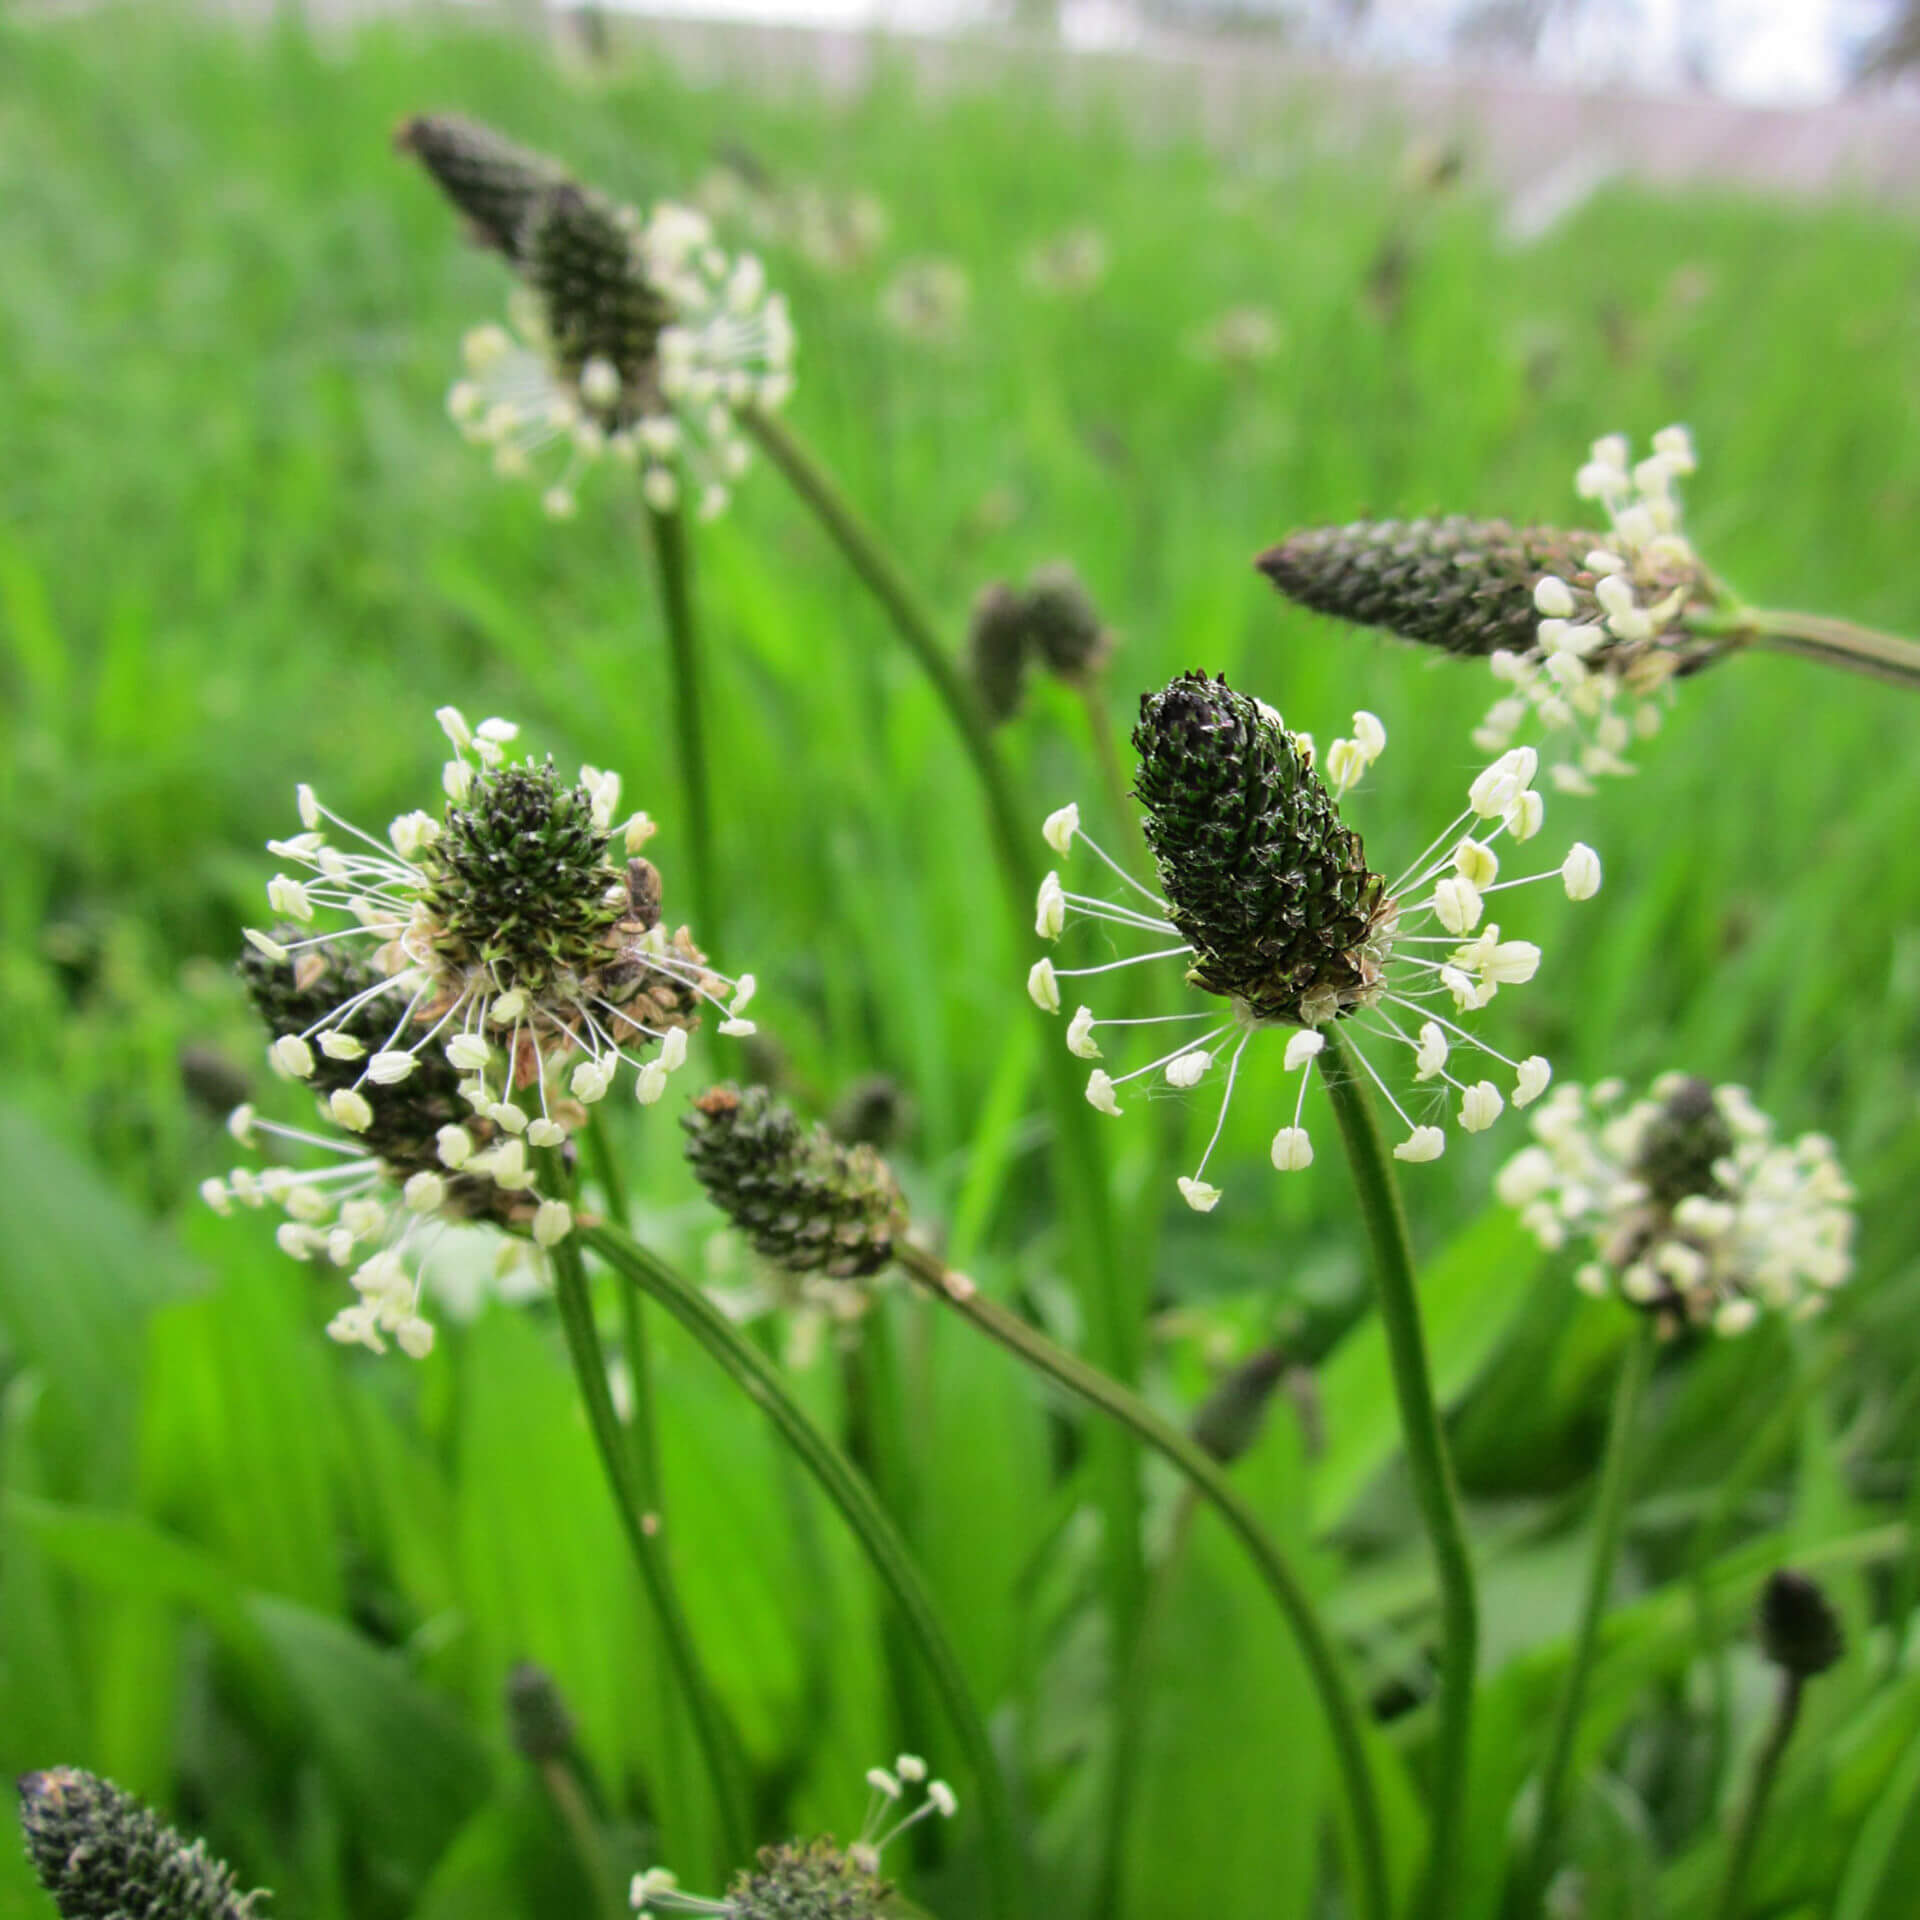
(635, 338)
(1268, 899)
(1693, 1212)
(1585, 630)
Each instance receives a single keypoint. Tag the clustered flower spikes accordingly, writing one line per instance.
(815, 1879)
(1269, 901)
(632, 338)
(496, 970)
(1586, 631)
(1694, 1212)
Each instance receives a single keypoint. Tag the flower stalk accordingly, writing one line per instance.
(1087, 1384)
(1429, 1464)
(1609, 1526)
(640, 1524)
(886, 1552)
(1102, 1285)
(667, 534)
(1814, 636)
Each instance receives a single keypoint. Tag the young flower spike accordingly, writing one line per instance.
(1585, 631)
(98, 1851)
(1694, 1213)
(807, 1203)
(633, 338)
(1272, 907)
(496, 969)
(815, 1879)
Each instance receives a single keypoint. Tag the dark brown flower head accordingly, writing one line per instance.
(1064, 625)
(101, 1855)
(1461, 584)
(598, 303)
(997, 650)
(807, 1203)
(491, 180)
(1799, 1630)
(1261, 875)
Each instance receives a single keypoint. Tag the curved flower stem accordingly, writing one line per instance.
(1766, 1767)
(596, 1867)
(1814, 636)
(1205, 1476)
(1428, 1462)
(760, 1380)
(1609, 1524)
(590, 1369)
(669, 536)
(1111, 1315)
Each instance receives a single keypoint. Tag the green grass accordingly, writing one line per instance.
(277, 1586)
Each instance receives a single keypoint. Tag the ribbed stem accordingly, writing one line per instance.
(669, 536)
(1429, 1464)
(1609, 1525)
(1205, 1475)
(590, 1370)
(1766, 1767)
(1112, 1317)
(1815, 636)
(886, 1552)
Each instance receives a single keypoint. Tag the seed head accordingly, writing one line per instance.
(807, 1880)
(808, 1203)
(1682, 1142)
(1229, 1420)
(101, 1855)
(491, 180)
(538, 1722)
(1262, 876)
(997, 650)
(1799, 1630)
(1462, 584)
(1063, 624)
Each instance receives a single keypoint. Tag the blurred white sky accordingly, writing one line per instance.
(1772, 52)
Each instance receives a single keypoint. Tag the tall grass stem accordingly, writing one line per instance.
(1766, 1768)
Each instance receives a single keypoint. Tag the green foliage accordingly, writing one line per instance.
(280, 1588)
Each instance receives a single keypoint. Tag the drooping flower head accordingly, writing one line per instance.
(1586, 631)
(815, 1879)
(1693, 1211)
(1274, 909)
(634, 338)
(486, 977)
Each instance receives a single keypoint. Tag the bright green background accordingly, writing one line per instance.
(275, 1586)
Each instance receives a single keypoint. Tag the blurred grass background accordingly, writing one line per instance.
(277, 1586)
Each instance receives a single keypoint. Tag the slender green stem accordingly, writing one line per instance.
(1113, 1316)
(1609, 1525)
(1815, 636)
(1204, 1474)
(641, 1428)
(1766, 1767)
(672, 564)
(886, 1552)
(1428, 1462)
(641, 1525)
(584, 1831)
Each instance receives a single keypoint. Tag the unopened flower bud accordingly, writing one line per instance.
(807, 1202)
(1799, 1630)
(491, 180)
